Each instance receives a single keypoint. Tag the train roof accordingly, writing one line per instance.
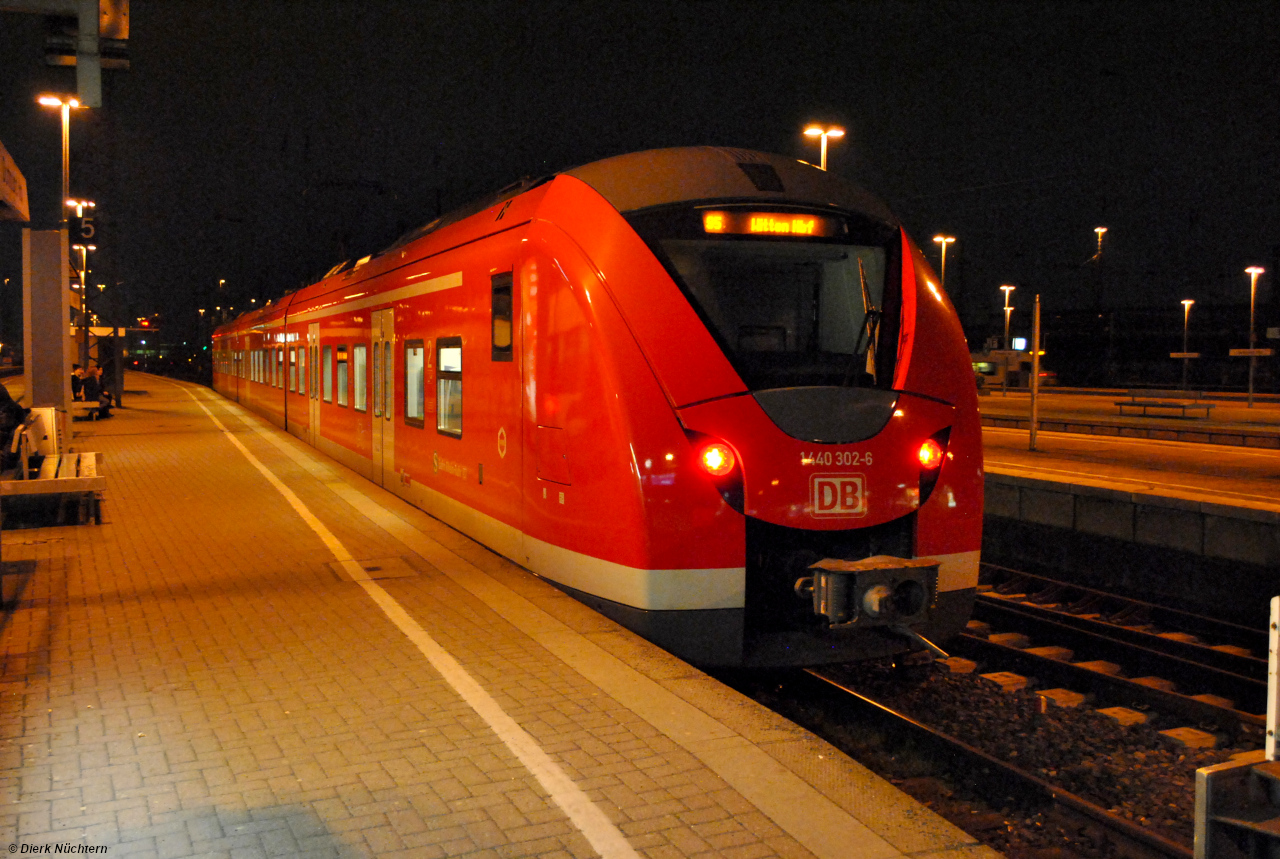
(659, 177)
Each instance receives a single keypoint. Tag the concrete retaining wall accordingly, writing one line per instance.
(1194, 527)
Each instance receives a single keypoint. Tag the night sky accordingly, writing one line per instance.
(262, 142)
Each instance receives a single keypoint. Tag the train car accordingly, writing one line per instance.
(716, 394)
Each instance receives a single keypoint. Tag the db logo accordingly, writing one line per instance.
(836, 495)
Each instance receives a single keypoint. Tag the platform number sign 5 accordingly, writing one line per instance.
(84, 228)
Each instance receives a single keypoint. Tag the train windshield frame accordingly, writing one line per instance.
(788, 309)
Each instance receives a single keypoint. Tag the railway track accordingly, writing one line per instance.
(1098, 707)
(1132, 839)
(1121, 652)
(1180, 632)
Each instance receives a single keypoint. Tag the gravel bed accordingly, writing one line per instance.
(1132, 771)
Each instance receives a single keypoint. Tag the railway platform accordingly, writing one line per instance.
(259, 653)
(1188, 508)
(1231, 420)
(1203, 487)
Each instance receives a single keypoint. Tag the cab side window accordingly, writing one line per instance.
(500, 286)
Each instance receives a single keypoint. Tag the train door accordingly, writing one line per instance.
(383, 361)
(238, 360)
(313, 384)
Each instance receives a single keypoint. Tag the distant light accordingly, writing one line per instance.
(1099, 231)
(1255, 269)
(811, 131)
(1019, 344)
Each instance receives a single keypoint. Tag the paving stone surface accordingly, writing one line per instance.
(192, 678)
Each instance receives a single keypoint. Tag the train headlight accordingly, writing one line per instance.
(717, 459)
(930, 454)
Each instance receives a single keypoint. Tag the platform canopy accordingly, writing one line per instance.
(13, 190)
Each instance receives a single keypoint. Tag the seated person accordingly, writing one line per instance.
(96, 392)
(92, 384)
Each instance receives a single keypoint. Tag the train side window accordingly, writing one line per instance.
(302, 370)
(359, 372)
(501, 299)
(326, 361)
(342, 375)
(279, 366)
(414, 383)
(449, 386)
(293, 369)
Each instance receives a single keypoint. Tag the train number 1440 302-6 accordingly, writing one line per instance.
(835, 457)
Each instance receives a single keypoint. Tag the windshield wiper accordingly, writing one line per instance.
(867, 336)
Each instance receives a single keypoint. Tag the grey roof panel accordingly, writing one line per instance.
(663, 176)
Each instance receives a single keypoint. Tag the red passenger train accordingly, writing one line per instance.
(716, 394)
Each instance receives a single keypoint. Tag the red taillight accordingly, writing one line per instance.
(717, 459)
(930, 454)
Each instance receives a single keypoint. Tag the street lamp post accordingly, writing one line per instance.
(1253, 271)
(84, 302)
(1097, 272)
(1186, 319)
(833, 132)
(1004, 364)
(66, 104)
(1008, 288)
(943, 241)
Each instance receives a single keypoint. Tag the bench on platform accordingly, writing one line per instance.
(1182, 401)
(71, 475)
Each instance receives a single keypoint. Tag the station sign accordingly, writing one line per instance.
(83, 228)
(1252, 353)
(1184, 354)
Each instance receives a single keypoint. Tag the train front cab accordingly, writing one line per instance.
(827, 436)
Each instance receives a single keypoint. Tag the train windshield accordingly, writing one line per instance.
(788, 312)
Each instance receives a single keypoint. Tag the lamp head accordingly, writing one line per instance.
(1255, 270)
(58, 101)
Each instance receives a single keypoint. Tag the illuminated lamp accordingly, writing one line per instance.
(930, 454)
(717, 459)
